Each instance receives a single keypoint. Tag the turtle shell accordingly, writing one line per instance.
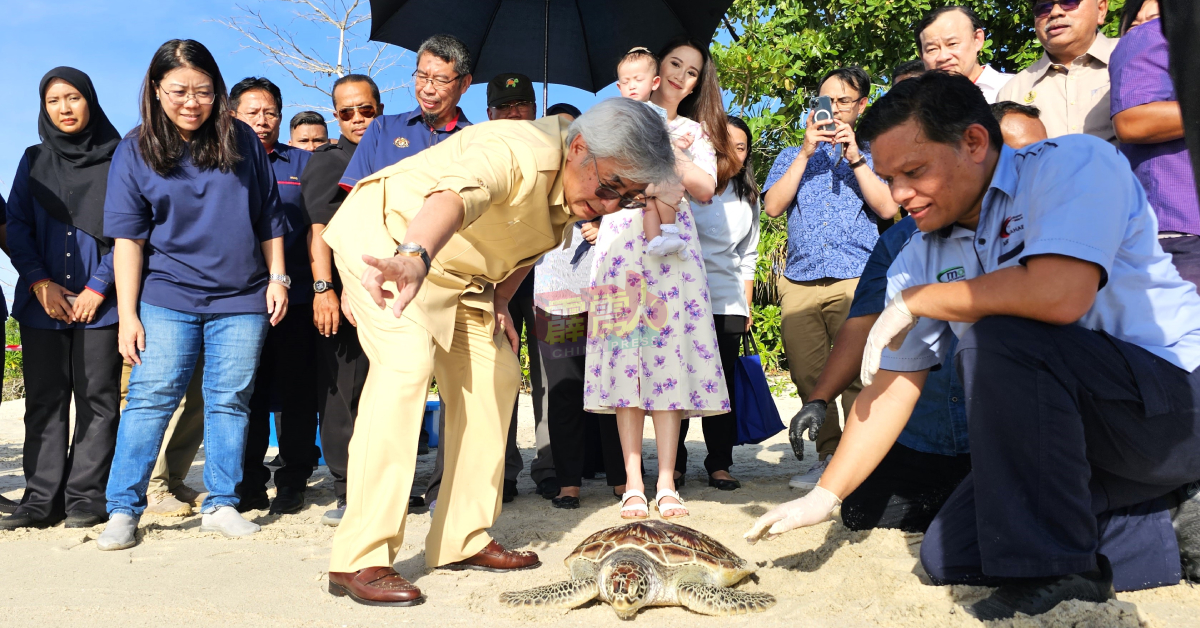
(666, 543)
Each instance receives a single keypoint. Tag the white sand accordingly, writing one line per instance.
(822, 576)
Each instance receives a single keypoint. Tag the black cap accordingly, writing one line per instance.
(509, 87)
(563, 107)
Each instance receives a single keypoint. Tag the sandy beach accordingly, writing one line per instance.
(822, 576)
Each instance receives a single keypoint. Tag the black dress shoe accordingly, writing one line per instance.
(416, 501)
(1034, 596)
(7, 506)
(254, 501)
(548, 488)
(510, 491)
(724, 485)
(566, 502)
(288, 501)
(84, 519)
(26, 520)
(1186, 520)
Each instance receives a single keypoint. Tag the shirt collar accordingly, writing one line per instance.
(279, 151)
(988, 76)
(458, 122)
(1100, 50)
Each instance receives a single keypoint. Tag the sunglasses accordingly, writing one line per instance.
(346, 114)
(1042, 9)
(609, 193)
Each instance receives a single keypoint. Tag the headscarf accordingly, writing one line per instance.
(68, 172)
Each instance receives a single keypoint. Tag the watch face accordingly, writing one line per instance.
(320, 286)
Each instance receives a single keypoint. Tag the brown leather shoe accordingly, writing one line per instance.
(375, 586)
(495, 558)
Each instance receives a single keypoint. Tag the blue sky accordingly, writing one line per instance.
(113, 40)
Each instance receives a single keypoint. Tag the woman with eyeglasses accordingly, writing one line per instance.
(193, 207)
(652, 345)
(65, 304)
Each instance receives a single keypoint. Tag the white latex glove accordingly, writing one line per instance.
(889, 331)
(815, 507)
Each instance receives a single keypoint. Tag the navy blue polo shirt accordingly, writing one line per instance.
(391, 138)
(204, 228)
(41, 247)
(288, 162)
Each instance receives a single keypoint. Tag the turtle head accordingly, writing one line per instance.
(626, 586)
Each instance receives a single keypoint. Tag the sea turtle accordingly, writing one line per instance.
(650, 563)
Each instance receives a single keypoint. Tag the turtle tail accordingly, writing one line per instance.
(566, 594)
(711, 600)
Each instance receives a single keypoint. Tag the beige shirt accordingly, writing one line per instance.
(508, 174)
(1074, 98)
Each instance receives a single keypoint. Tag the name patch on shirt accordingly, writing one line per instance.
(952, 274)
(1009, 226)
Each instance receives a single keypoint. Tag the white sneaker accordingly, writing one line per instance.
(228, 521)
(809, 479)
(119, 534)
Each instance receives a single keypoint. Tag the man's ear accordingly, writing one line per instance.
(1102, 6)
(466, 82)
(577, 149)
(977, 141)
(379, 108)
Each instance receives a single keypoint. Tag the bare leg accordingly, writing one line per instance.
(652, 222)
(630, 422)
(666, 437)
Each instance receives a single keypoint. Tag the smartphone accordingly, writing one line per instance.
(823, 118)
(71, 300)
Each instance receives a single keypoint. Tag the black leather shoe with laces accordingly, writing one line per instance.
(1034, 596)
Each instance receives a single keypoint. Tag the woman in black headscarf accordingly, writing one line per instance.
(65, 303)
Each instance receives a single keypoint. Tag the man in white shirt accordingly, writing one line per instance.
(949, 38)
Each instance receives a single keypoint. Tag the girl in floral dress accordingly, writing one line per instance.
(651, 340)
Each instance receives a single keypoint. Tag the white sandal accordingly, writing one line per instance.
(637, 511)
(661, 507)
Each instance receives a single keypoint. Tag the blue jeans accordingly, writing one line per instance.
(231, 344)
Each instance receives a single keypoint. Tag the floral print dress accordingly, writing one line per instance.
(651, 341)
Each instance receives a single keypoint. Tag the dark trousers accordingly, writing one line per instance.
(1076, 437)
(341, 373)
(720, 431)
(571, 427)
(905, 491)
(1185, 255)
(542, 467)
(65, 474)
(286, 382)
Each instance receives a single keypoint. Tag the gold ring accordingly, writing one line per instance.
(53, 311)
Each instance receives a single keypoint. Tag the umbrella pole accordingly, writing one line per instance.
(546, 63)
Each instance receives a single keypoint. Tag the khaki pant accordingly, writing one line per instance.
(811, 313)
(477, 380)
(184, 433)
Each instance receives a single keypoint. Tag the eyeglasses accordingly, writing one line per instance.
(845, 102)
(346, 114)
(520, 105)
(180, 96)
(1042, 9)
(609, 193)
(439, 83)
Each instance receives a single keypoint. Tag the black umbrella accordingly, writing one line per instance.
(569, 42)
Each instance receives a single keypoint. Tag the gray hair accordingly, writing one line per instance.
(448, 48)
(632, 135)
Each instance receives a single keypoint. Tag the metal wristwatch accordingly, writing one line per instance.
(283, 280)
(412, 249)
(320, 286)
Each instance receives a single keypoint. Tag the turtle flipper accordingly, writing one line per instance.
(710, 600)
(566, 594)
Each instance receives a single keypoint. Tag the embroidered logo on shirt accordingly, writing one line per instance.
(401, 142)
(1011, 225)
(1030, 96)
(952, 274)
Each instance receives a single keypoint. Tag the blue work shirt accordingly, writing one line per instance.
(287, 162)
(389, 139)
(938, 424)
(204, 229)
(831, 231)
(41, 247)
(1072, 195)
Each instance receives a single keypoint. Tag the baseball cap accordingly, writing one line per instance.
(509, 87)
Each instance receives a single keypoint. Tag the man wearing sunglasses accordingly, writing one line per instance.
(1069, 84)
(442, 76)
(439, 243)
(341, 365)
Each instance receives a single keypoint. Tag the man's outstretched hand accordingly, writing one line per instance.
(889, 330)
(815, 507)
(407, 273)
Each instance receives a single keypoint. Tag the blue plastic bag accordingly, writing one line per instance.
(757, 417)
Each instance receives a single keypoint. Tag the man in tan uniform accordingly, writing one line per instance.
(471, 216)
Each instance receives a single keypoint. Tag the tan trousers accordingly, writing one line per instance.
(811, 313)
(184, 433)
(478, 380)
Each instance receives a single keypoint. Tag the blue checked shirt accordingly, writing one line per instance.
(831, 232)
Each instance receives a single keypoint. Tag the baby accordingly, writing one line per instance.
(637, 77)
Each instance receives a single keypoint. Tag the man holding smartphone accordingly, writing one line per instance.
(825, 186)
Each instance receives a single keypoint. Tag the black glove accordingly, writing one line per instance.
(810, 418)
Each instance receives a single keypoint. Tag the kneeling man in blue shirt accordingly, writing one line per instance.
(1078, 351)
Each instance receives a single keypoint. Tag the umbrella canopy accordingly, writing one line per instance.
(569, 42)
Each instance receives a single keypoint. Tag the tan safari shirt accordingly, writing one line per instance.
(1073, 98)
(508, 174)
